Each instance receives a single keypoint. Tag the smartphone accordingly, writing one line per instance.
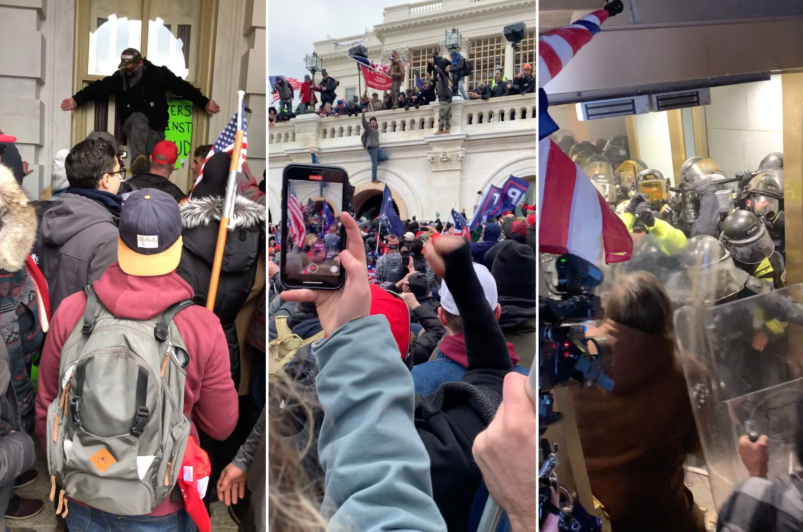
(312, 236)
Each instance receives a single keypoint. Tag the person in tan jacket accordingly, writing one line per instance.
(636, 438)
(396, 77)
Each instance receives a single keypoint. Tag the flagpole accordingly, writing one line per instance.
(228, 207)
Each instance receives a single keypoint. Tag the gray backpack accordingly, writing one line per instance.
(116, 433)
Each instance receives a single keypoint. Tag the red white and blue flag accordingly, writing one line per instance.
(298, 228)
(573, 216)
(460, 224)
(225, 143)
(293, 82)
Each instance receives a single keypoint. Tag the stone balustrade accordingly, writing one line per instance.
(509, 114)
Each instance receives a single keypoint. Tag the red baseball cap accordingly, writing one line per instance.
(166, 152)
(7, 138)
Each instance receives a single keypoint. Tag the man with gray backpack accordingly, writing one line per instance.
(390, 266)
(126, 365)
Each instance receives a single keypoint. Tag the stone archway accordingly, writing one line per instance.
(523, 167)
(365, 191)
(404, 194)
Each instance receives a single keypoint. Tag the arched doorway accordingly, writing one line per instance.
(368, 203)
(368, 197)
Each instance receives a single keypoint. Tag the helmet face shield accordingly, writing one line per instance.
(763, 205)
(751, 250)
(605, 187)
(655, 189)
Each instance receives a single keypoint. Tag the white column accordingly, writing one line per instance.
(406, 78)
(509, 60)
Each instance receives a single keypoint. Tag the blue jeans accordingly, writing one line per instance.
(302, 108)
(85, 519)
(377, 156)
(462, 89)
(283, 105)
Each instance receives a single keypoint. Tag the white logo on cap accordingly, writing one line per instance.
(127, 57)
(148, 241)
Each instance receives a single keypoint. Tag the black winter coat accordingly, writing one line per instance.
(147, 97)
(158, 182)
(449, 420)
(201, 220)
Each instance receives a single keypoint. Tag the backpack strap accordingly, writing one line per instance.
(162, 329)
(142, 413)
(91, 312)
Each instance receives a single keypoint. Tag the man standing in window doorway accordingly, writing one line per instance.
(140, 88)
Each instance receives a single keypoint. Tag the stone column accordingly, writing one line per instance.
(509, 61)
(23, 65)
(252, 81)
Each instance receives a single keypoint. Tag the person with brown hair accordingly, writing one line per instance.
(636, 438)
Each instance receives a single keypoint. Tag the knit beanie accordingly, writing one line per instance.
(58, 180)
(418, 285)
(519, 228)
(514, 270)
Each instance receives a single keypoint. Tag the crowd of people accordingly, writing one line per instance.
(393, 381)
(138, 395)
(710, 240)
(442, 73)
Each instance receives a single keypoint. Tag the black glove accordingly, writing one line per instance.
(634, 202)
(744, 177)
(644, 214)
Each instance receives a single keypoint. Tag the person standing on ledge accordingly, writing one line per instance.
(140, 87)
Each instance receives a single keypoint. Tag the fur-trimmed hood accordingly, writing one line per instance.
(17, 223)
(206, 211)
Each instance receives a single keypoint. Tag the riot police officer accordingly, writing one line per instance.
(640, 219)
(626, 177)
(704, 201)
(600, 171)
(745, 236)
(616, 154)
(763, 198)
(652, 183)
(581, 147)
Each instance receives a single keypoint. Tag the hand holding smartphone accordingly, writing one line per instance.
(353, 300)
(312, 236)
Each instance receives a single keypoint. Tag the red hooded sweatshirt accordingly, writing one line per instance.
(209, 395)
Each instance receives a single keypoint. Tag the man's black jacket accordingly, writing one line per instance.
(147, 97)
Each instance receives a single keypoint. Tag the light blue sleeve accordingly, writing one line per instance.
(377, 468)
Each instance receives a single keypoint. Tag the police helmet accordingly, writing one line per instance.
(746, 238)
(772, 160)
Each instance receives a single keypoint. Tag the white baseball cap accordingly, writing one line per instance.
(488, 287)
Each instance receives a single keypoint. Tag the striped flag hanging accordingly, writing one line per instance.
(298, 229)
(573, 216)
(557, 47)
(225, 143)
(419, 82)
(293, 82)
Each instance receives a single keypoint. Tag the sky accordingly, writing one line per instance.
(293, 25)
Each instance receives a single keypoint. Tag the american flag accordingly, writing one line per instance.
(460, 224)
(294, 83)
(298, 231)
(419, 82)
(225, 143)
(574, 217)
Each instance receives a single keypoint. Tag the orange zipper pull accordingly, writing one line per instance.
(167, 474)
(66, 510)
(56, 430)
(164, 362)
(61, 502)
(52, 488)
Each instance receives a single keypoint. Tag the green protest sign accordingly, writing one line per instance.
(179, 128)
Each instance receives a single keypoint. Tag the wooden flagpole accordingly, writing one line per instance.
(228, 207)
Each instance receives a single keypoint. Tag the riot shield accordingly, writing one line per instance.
(742, 365)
